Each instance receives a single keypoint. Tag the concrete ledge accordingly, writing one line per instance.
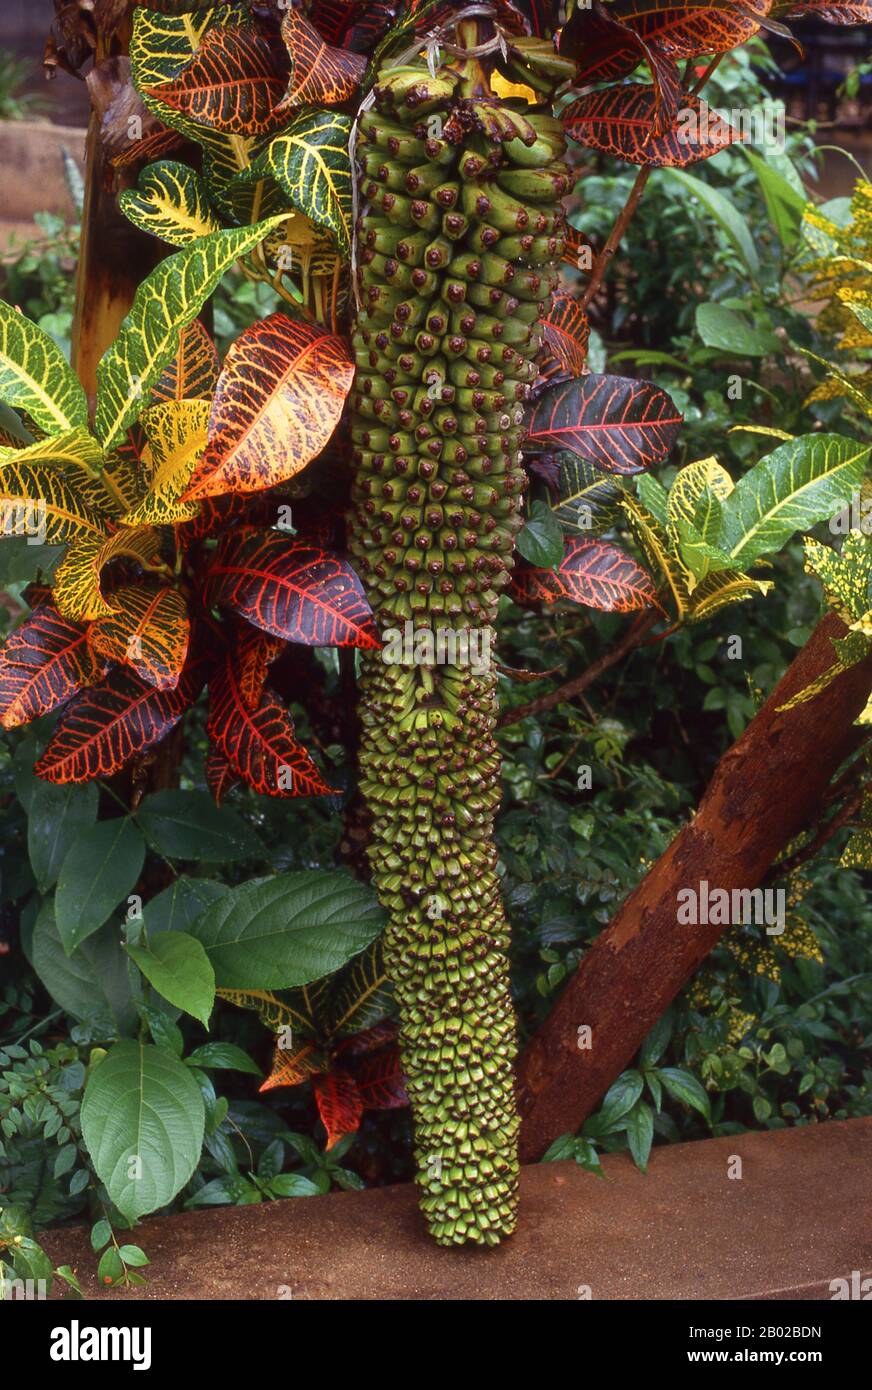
(798, 1218)
(33, 167)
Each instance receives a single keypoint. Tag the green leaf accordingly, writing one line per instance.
(133, 1255)
(110, 1269)
(639, 1124)
(58, 814)
(684, 1087)
(170, 201)
(289, 930)
(177, 906)
(188, 825)
(785, 204)
(35, 377)
(541, 539)
(224, 1056)
(176, 964)
(802, 482)
(101, 1234)
(100, 870)
(166, 302)
(292, 1185)
(310, 162)
(619, 1099)
(718, 206)
(723, 328)
(92, 983)
(142, 1121)
(656, 1041)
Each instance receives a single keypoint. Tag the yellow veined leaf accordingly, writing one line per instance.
(276, 1013)
(844, 575)
(309, 160)
(654, 541)
(161, 45)
(193, 372)
(849, 650)
(148, 630)
(724, 587)
(177, 435)
(705, 477)
(79, 457)
(37, 499)
(166, 302)
(36, 378)
(170, 202)
(76, 584)
(768, 430)
(120, 477)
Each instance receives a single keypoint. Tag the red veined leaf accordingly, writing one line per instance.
(851, 12)
(541, 15)
(693, 27)
(605, 48)
(43, 663)
(616, 423)
(232, 83)
(231, 510)
(566, 333)
(334, 18)
(220, 777)
(369, 27)
(295, 591)
(380, 1082)
(193, 372)
(339, 1104)
(620, 121)
(291, 1066)
(150, 147)
(320, 74)
(259, 744)
(148, 630)
(608, 50)
(110, 723)
(255, 651)
(593, 572)
(278, 401)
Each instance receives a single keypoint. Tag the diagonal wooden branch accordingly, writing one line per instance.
(764, 790)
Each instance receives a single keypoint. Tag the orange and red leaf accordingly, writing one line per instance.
(43, 663)
(278, 401)
(595, 573)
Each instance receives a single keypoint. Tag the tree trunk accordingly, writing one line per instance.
(114, 256)
(764, 790)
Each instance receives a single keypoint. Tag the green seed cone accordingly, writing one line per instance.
(444, 365)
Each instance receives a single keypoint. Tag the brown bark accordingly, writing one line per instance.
(764, 790)
(114, 256)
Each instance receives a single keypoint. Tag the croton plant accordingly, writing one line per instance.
(354, 473)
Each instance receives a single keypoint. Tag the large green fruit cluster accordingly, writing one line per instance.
(457, 247)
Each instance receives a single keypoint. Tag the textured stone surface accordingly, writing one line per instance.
(799, 1217)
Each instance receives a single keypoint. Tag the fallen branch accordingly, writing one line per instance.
(764, 790)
